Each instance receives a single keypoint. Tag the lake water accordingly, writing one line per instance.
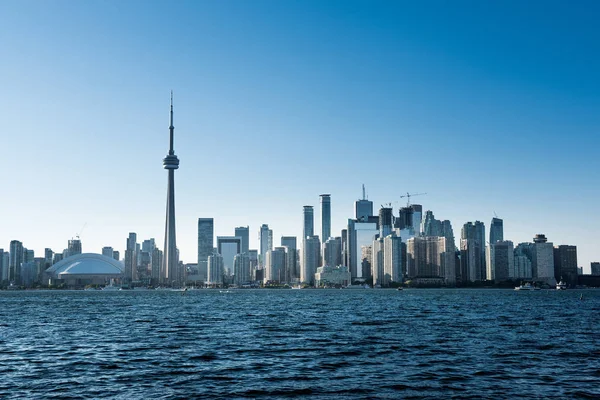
(300, 343)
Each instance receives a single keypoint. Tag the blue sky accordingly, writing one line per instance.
(486, 106)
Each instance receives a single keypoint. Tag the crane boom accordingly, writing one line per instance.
(409, 195)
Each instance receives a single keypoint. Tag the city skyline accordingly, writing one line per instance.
(490, 135)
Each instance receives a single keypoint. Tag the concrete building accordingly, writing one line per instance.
(431, 226)
(155, 264)
(311, 254)
(428, 259)
(291, 263)
(84, 269)
(474, 235)
(206, 244)
(366, 255)
(543, 260)
(332, 276)
(215, 270)
(253, 256)
(266, 243)
(275, 266)
(244, 233)
(241, 269)
(325, 216)
(501, 261)
(393, 262)
(565, 264)
(523, 268)
(377, 250)
(107, 251)
(15, 261)
(332, 251)
(3, 267)
(131, 258)
(595, 267)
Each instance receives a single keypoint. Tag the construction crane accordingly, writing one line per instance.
(409, 195)
(78, 235)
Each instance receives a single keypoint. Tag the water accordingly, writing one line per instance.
(300, 343)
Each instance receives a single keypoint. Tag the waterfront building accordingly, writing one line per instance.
(107, 251)
(48, 256)
(148, 246)
(543, 260)
(169, 272)
(448, 233)
(275, 266)
(431, 226)
(266, 243)
(228, 247)
(131, 258)
(84, 269)
(291, 263)
(325, 216)
(253, 256)
(156, 262)
(215, 270)
(385, 221)
(243, 232)
(595, 267)
(393, 260)
(360, 233)
(565, 264)
(428, 261)
(15, 261)
(496, 230)
(366, 255)
(377, 250)
(328, 275)
(523, 268)
(205, 244)
(363, 208)
(332, 251)
(310, 259)
(417, 216)
(3, 267)
(345, 247)
(241, 269)
(501, 261)
(474, 235)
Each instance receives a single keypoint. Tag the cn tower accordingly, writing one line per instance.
(171, 163)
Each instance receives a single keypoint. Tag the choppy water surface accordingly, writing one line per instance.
(300, 343)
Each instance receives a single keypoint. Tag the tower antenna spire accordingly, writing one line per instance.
(364, 197)
(171, 128)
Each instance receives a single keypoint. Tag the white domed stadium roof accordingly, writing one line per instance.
(86, 264)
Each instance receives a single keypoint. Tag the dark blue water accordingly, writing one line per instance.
(300, 343)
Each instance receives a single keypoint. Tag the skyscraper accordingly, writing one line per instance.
(205, 243)
(131, 258)
(244, 233)
(241, 269)
(385, 221)
(107, 251)
(266, 243)
(325, 217)
(275, 265)
(170, 163)
(595, 267)
(392, 259)
(311, 254)
(565, 264)
(363, 208)
(496, 230)
(475, 232)
(215, 270)
(309, 222)
(543, 260)
(228, 247)
(74, 247)
(291, 263)
(332, 252)
(3, 268)
(15, 261)
(501, 261)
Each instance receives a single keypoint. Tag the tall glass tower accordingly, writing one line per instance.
(325, 217)
(169, 272)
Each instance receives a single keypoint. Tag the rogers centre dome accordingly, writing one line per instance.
(87, 268)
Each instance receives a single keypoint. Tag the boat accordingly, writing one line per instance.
(358, 286)
(111, 287)
(561, 285)
(527, 286)
(399, 288)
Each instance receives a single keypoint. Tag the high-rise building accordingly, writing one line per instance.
(116, 255)
(215, 270)
(595, 267)
(148, 246)
(155, 262)
(363, 208)
(360, 233)
(417, 216)
(228, 247)
(332, 252)
(205, 243)
(311, 254)
(543, 260)
(428, 260)
(523, 268)
(474, 233)
(496, 230)
(107, 251)
(392, 259)
(253, 256)
(275, 265)
(266, 243)
(448, 233)
(169, 273)
(366, 255)
(131, 258)
(74, 247)
(291, 263)
(501, 261)
(325, 216)
(48, 255)
(377, 261)
(565, 264)
(385, 221)
(431, 226)
(241, 269)
(309, 222)
(15, 261)
(3, 268)
(244, 233)
(28, 255)
(345, 247)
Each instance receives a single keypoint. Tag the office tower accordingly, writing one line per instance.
(428, 261)
(309, 222)
(107, 251)
(325, 216)
(155, 262)
(501, 261)
(130, 274)
(74, 247)
(332, 252)
(5, 263)
(215, 270)
(28, 273)
(474, 233)
(496, 230)
(385, 221)
(48, 255)
(3, 267)
(170, 260)
(431, 226)
(15, 261)
(275, 266)
(244, 233)
(595, 267)
(116, 255)
(366, 255)
(417, 215)
(377, 261)
(448, 233)
(543, 260)
(405, 218)
(360, 233)
(363, 208)
(28, 255)
(470, 261)
(392, 259)
(241, 269)
(265, 243)
(291, 263)
(138, 253)
(345, 247)
(253, 256)
(228, 247)
(148, 246)
(205, 243)
(311, 254)
(523, 268)
(565, 264)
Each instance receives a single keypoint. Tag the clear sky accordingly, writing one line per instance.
(485, 106)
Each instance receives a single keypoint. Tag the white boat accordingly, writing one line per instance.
(561, 285)
(527, 286)
(111, 287)
(365, 286)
